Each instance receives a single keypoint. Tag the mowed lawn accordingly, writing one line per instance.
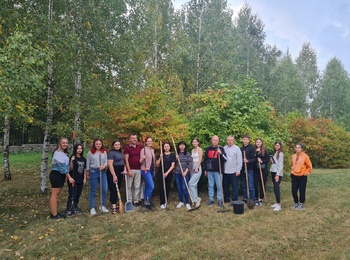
(321, 231)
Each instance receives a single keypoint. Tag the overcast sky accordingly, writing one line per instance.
(290, 23)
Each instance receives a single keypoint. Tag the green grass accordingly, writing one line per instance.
(318, 232)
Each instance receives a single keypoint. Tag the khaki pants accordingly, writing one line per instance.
(134, 184)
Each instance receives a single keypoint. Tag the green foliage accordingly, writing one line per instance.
(234, 110)
(147, 113)
(326, 142)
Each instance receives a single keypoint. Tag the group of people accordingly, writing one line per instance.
(224, 167)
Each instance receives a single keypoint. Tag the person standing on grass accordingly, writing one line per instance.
(133, 167)
(96, 163)
(116, 167)
(277, 173)
(250, 160)
(147, 161)
(213, 153)
(169, 160)
(262, 159)
(181, 176)
(59, 173)
(77, 167)
(301, 168)
(232, 172)
(196, 173)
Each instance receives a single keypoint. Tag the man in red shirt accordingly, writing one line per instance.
(133, 167)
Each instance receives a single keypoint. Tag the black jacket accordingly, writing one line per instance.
(250, 156)
(212, 154)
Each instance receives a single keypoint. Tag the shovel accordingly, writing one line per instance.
(164, 188)
(262, 183)
(121, 205)
(128, 205)
(250, 203)
(222, 189)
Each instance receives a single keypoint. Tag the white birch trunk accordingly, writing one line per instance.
(6, 154)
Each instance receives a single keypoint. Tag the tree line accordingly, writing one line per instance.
(108, 68)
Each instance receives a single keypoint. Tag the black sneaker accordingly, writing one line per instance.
(245, 200)
(77, 210)
(210, 202)
(69, 213)
(57, 216)
(136, 204)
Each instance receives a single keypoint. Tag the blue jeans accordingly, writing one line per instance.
(181, 187)
(149, 184)
(251, 184)
(233, 180)
(94, 181)
(214, 178)
(192, 184)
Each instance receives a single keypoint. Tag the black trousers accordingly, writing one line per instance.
(259, 193)
(111, 185)
(74, 194)
(299, 184)
(168, 181)
(276, 187)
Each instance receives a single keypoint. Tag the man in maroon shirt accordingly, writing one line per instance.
(132, 161)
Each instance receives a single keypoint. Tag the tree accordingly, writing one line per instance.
(306, 64)
(21, 82)
(333, 98)
(286, 91)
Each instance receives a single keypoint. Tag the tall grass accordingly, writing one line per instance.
(318, 232)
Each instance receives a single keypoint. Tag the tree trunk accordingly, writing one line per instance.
(77, 119)
(7, 173)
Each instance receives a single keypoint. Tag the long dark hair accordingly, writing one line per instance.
(75, 148)
(280, 150)
(263, 148)
(165, 144)
(113, 143)
(178, 147)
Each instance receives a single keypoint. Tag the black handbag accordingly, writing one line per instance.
(208, 165)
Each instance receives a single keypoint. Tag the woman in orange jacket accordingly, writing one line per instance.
(301, 167)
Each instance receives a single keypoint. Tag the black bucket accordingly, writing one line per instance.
(238, 207)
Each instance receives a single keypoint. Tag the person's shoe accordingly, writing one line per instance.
(257, 203)
(188, 206)
(114, 211)
(77, 210)
(300, 206)
(231, 204)
(277, 208)
(245, 200)
(198, 202)
(103, 209)
(69, 213)
(210, 202)
(93, 212)
(163, 206)
(136, 204)
(180, 205)
(295, 205)
(57, 216)
(274, 205)
(220, 203)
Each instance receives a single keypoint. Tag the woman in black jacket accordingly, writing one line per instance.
(262, 159)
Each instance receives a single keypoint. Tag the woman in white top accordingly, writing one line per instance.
(197, 154)
(277, 173)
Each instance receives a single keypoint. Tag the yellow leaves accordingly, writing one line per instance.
(88, 24)
(15, 237)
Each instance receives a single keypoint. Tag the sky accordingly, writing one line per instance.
(290, 23)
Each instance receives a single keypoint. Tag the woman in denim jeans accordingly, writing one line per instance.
(96, 162)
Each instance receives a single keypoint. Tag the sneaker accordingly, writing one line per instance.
(277, 208)
(180, 205)
(136, 204)
(188, 206)
(198, 202)
(103, 209)
(57, 216)
(231, 204)
(295, 205)
(69, 213)
(258, 203)
(245, 200)
(210, 202)
(274, 205)
(300, 206)
(220, 203)
(77, 210)
(163, 206)
(92, 211)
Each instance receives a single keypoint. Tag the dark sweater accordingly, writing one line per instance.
(212, 154)
(250, 156)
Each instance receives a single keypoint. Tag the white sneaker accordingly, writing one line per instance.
(163, 206)
(92, 211)
(188, 206)
(274, 205)
(103, 209)
(180, 205)
(198, 202)
(277, 208)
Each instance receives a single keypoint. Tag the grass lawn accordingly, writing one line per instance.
(321, 231)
